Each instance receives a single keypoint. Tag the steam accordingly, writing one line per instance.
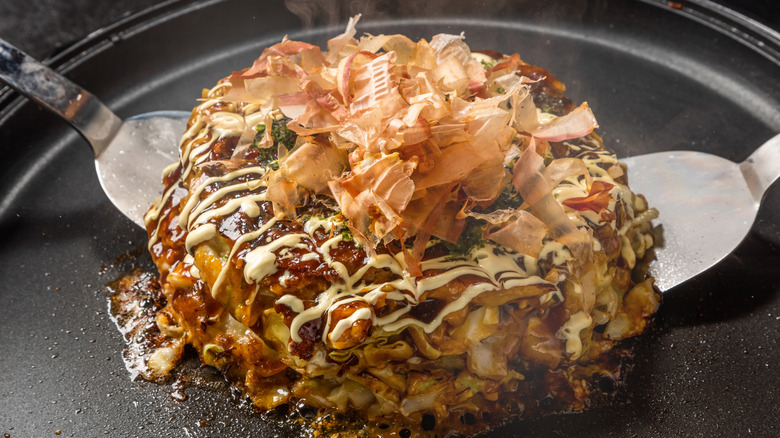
(333, 12)
(329, 12)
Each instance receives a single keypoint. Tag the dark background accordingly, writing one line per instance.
(708, 367)
(44, 27)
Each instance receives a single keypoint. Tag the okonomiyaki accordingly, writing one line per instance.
(418, 235)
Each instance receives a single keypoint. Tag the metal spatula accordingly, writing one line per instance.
(129, 155)
(707, 203)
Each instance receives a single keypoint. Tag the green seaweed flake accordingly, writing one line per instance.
(469, 240)
(508, 199)
(281, 134)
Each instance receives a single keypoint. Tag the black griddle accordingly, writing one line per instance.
(659, 77)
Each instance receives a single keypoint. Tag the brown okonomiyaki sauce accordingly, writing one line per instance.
(424, 241)
(135, 299)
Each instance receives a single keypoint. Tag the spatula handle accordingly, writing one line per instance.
(56, 93)
(762, 167)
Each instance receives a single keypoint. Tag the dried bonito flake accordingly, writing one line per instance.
(408, 231)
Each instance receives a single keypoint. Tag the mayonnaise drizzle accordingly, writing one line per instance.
(261, 261)
(200, 235)
(346, 323)
(195, 206)
(496, 267)
(570, 333)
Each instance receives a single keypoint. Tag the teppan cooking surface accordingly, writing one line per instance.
(657, 78)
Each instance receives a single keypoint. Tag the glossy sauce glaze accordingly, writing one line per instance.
(302, 310)
(231, 204)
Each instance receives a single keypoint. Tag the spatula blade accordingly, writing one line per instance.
(130, 169)
(706, 210)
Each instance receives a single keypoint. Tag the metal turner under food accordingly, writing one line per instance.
(130, 155)
(707, 203)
